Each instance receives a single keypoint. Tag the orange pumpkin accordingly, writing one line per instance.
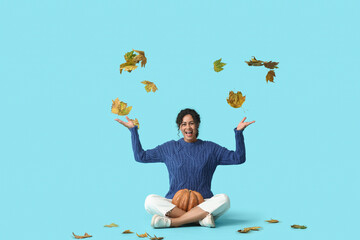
(186, 199)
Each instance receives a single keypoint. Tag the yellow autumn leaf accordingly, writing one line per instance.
(142, 235)
(127, 67)
(136, 122)
(149, 86)
(254, 62)
(120, 108)
(270, 76)
(218, 65)
(235, 100)
(127, 231)
(111, 225)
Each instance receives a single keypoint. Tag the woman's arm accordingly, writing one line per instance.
(228, 157)
(148, 156)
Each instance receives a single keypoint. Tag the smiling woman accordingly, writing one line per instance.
(188, 121)
(191, 163)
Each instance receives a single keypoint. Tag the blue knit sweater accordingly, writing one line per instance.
(190, 165)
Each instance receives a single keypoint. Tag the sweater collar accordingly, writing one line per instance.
(183, 143)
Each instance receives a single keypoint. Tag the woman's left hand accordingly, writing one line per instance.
(242, 125)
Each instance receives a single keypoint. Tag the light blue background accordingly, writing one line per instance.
(67, 166)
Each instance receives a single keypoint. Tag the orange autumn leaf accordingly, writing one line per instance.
(270, 76)
(142, 235)
(235, 100)
(141, 57)
(149, 86)
(271, 64)
(81, 237)
(120, 108)
(254, 62)
(272, 221)
(245, 230)
(127, 231)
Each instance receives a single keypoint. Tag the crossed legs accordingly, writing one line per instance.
(217, 205)
(179, 217)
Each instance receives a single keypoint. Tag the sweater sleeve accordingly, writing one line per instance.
(148, 156)
(229, 157)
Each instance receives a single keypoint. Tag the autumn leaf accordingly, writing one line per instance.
(142, 235)
(218, 65)
(298, 226)
(272, 221)
(120, 108)
(270, 76)
(155, 237)
(111, 225)
(254, 62)
(135, 122)
(127, 231)
(132, 59)
(81, 237)
(128, 66)
(271, 64)
(235, 100)
(141, 57)
(245, 230)
(149, 86)
(129, 56)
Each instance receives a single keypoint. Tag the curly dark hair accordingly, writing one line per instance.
(194, 115)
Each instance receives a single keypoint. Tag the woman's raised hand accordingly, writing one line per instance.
(128, 124)
(242, 125)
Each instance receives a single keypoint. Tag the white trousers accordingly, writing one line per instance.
(216, 205)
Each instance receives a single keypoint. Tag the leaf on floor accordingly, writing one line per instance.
(272, 221)
(86, 235)
(298, 226)
(111, 225)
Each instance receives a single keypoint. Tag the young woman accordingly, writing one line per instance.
(191, 163)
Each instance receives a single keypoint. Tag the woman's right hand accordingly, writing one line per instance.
(128, 124)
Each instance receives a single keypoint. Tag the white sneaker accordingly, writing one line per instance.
(208, 221)
(160, 222)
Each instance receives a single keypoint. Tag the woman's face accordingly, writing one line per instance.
(188, 128)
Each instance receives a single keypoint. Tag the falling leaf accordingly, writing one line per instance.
(218, 65)
(298, 226)
(271, 64)
(127, 231)
(149, 86)
(120, 108)
(155, 237)
(128, 66)
(142, 235)
(136, 122)
(111, 225)
(255, 62)
(245, 230)
(132, 59)
(270, 76)
(272, 221)
(81, 237)
(141, 57)
(235, 100)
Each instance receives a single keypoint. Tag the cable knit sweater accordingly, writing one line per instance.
(190, 165)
